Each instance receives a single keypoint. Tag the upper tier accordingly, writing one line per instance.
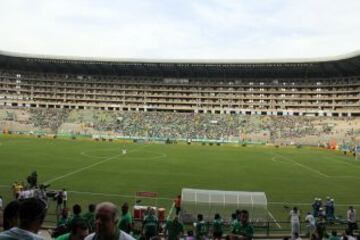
(339, 66)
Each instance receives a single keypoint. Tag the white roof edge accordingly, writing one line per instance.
(222, 191)
(190, 61)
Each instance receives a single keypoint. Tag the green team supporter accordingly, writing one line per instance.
(218, 225)
(89, 218)
(233, 225)
(200, 230)
(73, 220)
(125, 222)
(150, 225)
(65, 236)
(174, 229)
(246, 230)
(243, 229)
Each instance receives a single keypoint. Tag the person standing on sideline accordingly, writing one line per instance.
(178, 204)
(295, 222)
(351, 219)
(65, 197)
(311, 223)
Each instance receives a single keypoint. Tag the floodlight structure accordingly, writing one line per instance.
(210, 202)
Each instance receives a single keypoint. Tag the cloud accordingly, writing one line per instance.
(232, 29)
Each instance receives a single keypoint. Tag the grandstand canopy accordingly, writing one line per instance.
(340, 66)
(210, 202)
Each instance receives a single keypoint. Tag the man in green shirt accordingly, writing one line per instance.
(174, 229)
(78, 232)
(150, 225)
(89, 217)
(201, 231)
(126, 221)
(74, 217)
(218, 227)
(243, 229)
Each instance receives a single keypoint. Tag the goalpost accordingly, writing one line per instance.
(210, 202)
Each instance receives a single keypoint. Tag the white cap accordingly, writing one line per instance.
(332, 200)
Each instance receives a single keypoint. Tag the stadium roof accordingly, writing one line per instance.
(343, 65)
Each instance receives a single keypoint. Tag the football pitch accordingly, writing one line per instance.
(97, 171)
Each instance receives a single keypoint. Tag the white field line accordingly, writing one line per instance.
(303, 166)
(309, 204)
(164, 198)
(272, 216)
(84, 168)
(170, 212)
(114, 195)
(344, 163)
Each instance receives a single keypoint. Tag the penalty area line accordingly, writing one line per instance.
(87, 167)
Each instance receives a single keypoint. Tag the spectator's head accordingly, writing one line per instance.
(296, 235)
(217, 216)
(79, 231)
(64, 213)
(233, 216)
(295, 209)
(91, 207)
(152, 211)
(11, 215)
(200, 217)
(106, 215)
(190, 233)
(244, 216)
(32, 213)
(76, 209)
(125, 208)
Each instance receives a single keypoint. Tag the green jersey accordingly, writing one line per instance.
(89, 218)
(244, 229)
(151, 225)
(173, 229)
(72, 221)
(218, 225)
(125, 222)
(200, 230)
(65, 236)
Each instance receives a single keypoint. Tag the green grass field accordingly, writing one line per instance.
(97, 171)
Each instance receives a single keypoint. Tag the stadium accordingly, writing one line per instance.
(225, 135)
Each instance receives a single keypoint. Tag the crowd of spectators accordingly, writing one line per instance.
(175, 125)
(23, 220)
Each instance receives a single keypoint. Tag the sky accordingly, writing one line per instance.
(181, 29)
